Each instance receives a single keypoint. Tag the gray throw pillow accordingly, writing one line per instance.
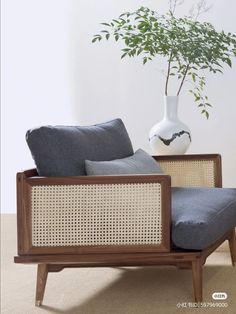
(139, 163)
(62, 150)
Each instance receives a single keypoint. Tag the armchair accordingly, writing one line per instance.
(100, 221)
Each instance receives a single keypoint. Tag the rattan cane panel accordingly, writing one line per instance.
(190, 173)
(96, 214)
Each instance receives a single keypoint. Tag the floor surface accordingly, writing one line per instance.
(136, 290)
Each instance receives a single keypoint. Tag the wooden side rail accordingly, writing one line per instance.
(192, 170)
(80, 215)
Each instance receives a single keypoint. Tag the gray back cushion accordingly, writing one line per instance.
(139, 163)
(62, 150)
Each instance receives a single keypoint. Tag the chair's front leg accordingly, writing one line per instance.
(197, 279)
(232, 247)
(42, 275)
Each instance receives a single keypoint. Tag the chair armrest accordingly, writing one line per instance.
(192, 170)
(93, 214)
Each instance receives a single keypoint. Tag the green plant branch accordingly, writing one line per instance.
(189, 45)
(183, 79)
(168, 74)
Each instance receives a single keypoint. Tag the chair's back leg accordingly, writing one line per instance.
(42, 275)
(197, 279)
(232, 247)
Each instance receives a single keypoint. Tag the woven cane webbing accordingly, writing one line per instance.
(190, 173)
(96, 214)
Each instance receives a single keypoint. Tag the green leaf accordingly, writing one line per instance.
(107, 36)
(205, 113)
(126, 49)
(228, 61)
(96, 37)
(139, 51)
(106, 24)
(145, 60)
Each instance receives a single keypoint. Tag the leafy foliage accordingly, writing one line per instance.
(190, 47)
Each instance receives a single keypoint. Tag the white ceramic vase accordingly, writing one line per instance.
(170, 136)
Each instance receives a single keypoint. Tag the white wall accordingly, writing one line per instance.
(53, 74)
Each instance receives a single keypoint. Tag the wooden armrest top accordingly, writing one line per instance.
(189, 157)
(36, 180)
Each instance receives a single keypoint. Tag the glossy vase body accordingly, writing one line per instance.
(170, 136)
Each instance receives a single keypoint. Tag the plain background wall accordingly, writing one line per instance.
(53, 74)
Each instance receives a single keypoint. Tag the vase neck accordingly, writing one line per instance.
(171, 107)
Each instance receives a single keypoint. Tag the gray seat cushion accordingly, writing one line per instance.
(200, 216)
(62, 150)
(139, 163)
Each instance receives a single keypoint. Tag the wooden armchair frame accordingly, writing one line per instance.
(110, 220)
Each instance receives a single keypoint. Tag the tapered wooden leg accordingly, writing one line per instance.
(197, 279)
(42, 275)
(232, 247)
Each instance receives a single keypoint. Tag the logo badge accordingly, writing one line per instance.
(219, 296)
